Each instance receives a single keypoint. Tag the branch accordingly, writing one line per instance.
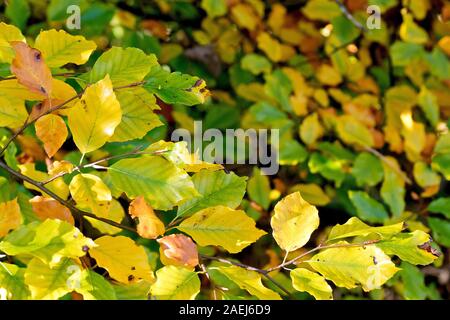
(349, 16)
(321, 247)
(136, 151)
(386, 161)
(77, 212)
(265, 273)
(27, 122)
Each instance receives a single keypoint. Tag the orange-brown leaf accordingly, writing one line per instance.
(45, 208)
(30, 69)
(10, 217)
(178, 250)
(52, 131)
(149, 226)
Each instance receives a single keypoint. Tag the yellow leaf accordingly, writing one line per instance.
(312, 193)
(351, 131)
(125, 261)
(175, 283)
(310, 129)
(94, 118)
(244, 16)
(275, 50)
(231, 229)
(116, 213)
(311, 282)
(178, 250)
(444, 44)
(91, 193)
(12, 88)
(355, 227)
(293, 222)
(52, 131)
(58, 186)
(8, 33)
(50, 208)
(249, 281)
(411, 32)
(349, 266)
(60, 48)
(415, 136)
(30, 69)
(149, 226)
(328, 75)
(10, 217)
(13, 111)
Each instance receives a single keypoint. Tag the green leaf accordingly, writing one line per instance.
(441, 230)
(50, 241)
(215, 188)
(393, 188)
(214, 8)
(424, 176)
(429, 104)
(351, 131)
(412, 247)
(18, 11)
(175, 283)
(231, 229)
(323, 10)
(403, 53)
(258, 188)
(124, 66)
(175, 87)
(311, 282)
(135, 291)
(161, 183)
(331, 169)
(367, 170)
(256, 63)
(95, 287)
(355, 227)
(367, 208)
(438, 63)
(138, 117)
(13, 282)
(349, 266)
(414, 287)
(440, 205)
(249, 281)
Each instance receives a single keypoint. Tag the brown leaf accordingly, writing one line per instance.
(179, 250)
(149, 226)
(10, 217)
(45, 208)
(30, 69)
(52, 131)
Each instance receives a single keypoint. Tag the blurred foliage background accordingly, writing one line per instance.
(363, 112)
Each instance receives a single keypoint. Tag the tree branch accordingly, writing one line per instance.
(321, 247)
(265, 273)
(77, 212)
(349, 16)
(386, 161)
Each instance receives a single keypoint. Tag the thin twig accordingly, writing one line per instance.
(321, 247)
(75, 210)
(349, 16)
(386, 161)
(265, 273)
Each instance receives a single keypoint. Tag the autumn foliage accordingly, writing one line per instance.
(97, 201)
